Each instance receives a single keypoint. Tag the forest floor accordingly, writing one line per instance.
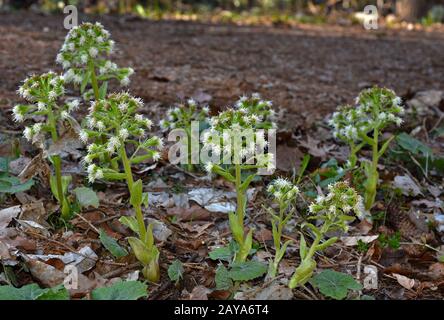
(307, 72)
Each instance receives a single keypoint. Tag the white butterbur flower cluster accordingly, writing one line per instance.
(238, 134)
(112, 129)
(338, 206)
(42, 92)
(375, 108)
(282, 190)
(261, 110)
(94, 173)
(182, 115)
(86, 47)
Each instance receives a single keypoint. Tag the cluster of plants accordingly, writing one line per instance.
(117, 137)
(112, 128)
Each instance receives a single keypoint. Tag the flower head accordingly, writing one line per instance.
(114, 123)
(260, 111)
(40, 88)
(183, 115)
(90, 43)
(339, 206)
(375, 108)
(42, 93)
(283, 190)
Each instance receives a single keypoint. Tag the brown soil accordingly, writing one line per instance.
(303, 69)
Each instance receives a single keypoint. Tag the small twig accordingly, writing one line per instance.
(69, 248)
(420, 167)
(358, 273)
(441, 117)
(112, 263)
(119, 271)
(89, 223)
(160, 289)
(303, 295)
(107, 219)
(425, 130)
(290, 238)
(194, 266)
(311, 293)
(414, 243)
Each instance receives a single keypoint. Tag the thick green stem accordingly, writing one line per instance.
(240, 196)
(312, 250)
(130, 183)
(372, 175)
(305, 270)
(190, 166)
(95, 86)
(57, 161)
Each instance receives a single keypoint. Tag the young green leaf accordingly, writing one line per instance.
(413, 145)
(86, 197)
(10, 184)
(222, 253)
(103, 89)
(66, 180)
(302, 247)
(145, 199)
(122, 290)
(303, 167)
(222, 278)
(85, 81)
(140, 249)
(335, 284)
(33, 292)
(111, 245)
(175, 271)
(28, 292)
(130, 222)
(56, 293)
(4, 165)
(248, 270)
(136, 193)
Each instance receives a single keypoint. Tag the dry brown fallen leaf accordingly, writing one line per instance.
(37, 166)
(288, 158)
(273, 291)
(6, 216)
(4, 252)
(436, 271)
(404, 281)
(49, 277)
(34, 211)
(44, 273)
(353, 241)
(193, 213)
(314, 149)
(12, 238)
(199, 293)
(263, 235)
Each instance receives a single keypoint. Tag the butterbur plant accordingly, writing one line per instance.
(333, 213)
(284, 195)
(116, 127)
(43, 93)
(83, 56)
(183, 117)
(363, 125)
(226, 138)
